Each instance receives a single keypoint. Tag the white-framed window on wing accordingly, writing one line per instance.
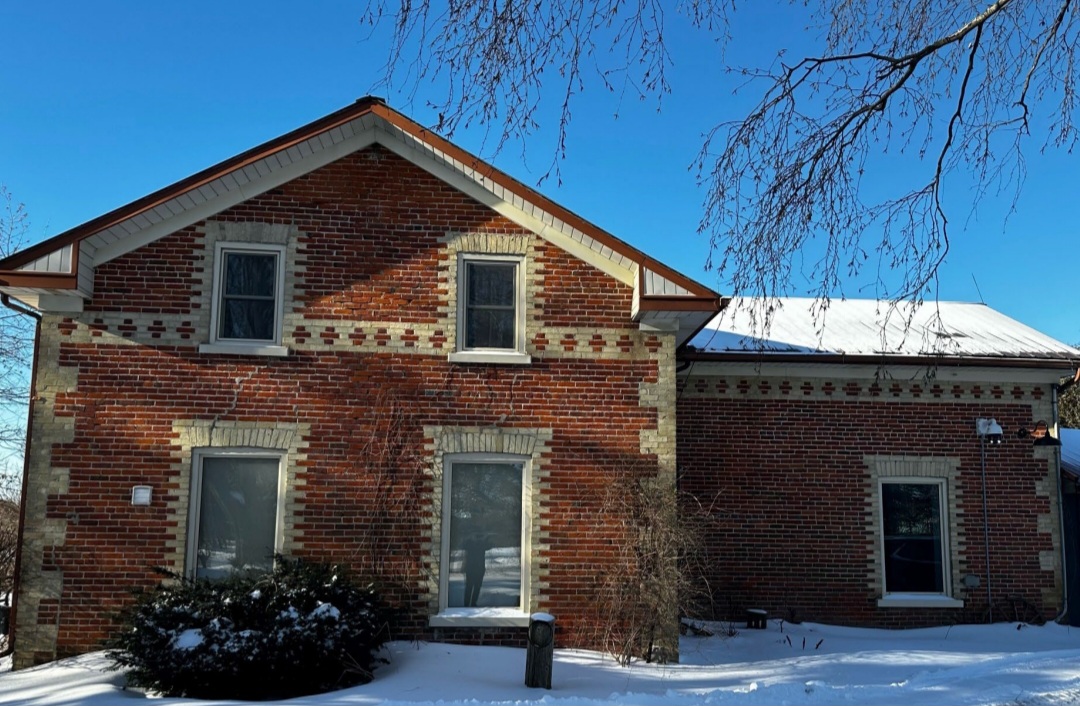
(484, 562)
(249, 282)
(235, 514)
(915, 536)
(491, 309)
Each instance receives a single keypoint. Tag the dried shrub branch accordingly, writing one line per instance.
(396, 500)
(659, 566)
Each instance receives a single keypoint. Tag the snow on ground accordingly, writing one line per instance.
(965, 664)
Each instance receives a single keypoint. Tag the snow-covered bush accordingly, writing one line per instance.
(305, 628)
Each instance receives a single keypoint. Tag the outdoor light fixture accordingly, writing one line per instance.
(1040, 433)
(141, 494)
(990, 431)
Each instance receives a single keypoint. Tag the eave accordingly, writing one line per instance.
(63, 266)
(942, 361)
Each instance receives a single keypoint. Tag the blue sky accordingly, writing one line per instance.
(104, 102)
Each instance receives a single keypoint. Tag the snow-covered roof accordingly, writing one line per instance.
(874, 328)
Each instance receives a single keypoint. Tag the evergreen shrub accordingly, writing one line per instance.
(305, 628)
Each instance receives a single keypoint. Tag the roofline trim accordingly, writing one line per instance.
(377, 107)
(764, 358)
(677, 302)
(38, 280)
(563, 214)
(200, 178)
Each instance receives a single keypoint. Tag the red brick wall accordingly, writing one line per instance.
(782, 459)
(371, 226)
(159, 280)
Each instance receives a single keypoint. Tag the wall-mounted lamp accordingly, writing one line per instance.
(1040, 434)
(990, 431)
(141, 494)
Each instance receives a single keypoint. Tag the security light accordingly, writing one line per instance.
(141, 494)
(990, 431)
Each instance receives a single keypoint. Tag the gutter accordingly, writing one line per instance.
(765, 357)
(6, 301)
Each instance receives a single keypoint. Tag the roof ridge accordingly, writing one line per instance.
(364, 105)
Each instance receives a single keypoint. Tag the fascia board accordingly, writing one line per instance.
(945, 371)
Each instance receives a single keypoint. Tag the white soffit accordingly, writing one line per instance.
(508, 203)
(230, 189)
(244, 182)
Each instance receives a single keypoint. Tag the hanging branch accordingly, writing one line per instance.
(954, 88)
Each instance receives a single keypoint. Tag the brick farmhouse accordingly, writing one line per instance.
(850, 479)
(359, 343)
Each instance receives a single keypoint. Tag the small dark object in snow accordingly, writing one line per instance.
(819, 643)
(804, 643)
(788, 638)
(540, 651)
(755, 619)
(697, 628)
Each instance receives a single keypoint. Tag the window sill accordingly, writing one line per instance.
(244, 349)
(918, 600)
(491, 357)
(479, 618)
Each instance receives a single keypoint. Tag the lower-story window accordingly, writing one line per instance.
(914, 536)
(483, 535)
(235, 513)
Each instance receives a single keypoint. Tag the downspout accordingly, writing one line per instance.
(1055, 391)
(6, 301)
(986, 529)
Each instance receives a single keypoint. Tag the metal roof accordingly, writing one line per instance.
(869, 327)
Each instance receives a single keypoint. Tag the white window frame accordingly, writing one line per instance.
(195, 498)
(512, 356)
(936, 599)
(484, 616)
(246, 346)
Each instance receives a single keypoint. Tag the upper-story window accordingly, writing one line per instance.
(246, 315)
(490, 305)
(491, 309)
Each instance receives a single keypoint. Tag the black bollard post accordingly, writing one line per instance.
(541, 650)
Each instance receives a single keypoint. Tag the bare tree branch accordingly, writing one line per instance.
(498, 57)
(790, 172)
(16, 336)
(954, 89)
